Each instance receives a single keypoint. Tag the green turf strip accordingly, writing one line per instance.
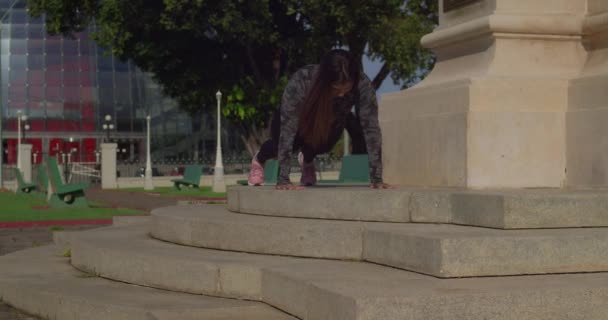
(203, 192)
(27, 207)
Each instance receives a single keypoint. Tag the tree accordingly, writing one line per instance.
(249, 47)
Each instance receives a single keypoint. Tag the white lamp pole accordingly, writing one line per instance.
(107, 126)
(148, 185)
(26, 128)
(19, 119)
(19, 139)
(70, 150)
(218, 175)
(346, 143)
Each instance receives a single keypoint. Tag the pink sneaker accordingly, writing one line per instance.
(256, 174)
(309, 175)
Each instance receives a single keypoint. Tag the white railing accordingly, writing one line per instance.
(87, 169)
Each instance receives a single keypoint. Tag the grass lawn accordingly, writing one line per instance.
(19, 207)
(203, 192)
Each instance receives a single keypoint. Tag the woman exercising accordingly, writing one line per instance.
(315, 109)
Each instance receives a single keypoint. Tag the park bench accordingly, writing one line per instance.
(271, 173)
(355, 169)
(63, 194)
(43, 179)
(192, 177)
(22, 186)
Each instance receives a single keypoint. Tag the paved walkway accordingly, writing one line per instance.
(8, 313)
(135, 200)
(14, 239)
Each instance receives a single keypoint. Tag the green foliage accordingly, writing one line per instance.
(245, 101)
(68, 15)
(249, 48)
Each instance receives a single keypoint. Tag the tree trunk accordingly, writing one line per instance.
(382, 74)
(253, 137)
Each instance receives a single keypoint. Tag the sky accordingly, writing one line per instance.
(371, 68)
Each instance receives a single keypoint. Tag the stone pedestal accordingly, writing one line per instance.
(517, 99)
(26, 161)
(108, 165)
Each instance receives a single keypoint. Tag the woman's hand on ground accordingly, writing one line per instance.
(289, 186)
(381, 185)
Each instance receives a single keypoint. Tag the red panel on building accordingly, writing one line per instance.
(11, 150)
(90, 147)
(55, 147)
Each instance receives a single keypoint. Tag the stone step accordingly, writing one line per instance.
(42, 283)
(439, 250)
(317, 289)
(501, 209)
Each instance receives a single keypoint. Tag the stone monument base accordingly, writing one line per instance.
(517, 99)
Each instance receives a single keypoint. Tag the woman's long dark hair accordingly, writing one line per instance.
(338, 67)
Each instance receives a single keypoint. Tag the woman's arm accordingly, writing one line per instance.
(368, 113)
(292, 96)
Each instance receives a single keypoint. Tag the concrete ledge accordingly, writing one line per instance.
(214, 227)
(158, 264)
(440, 250)
(345, 203)
(40, 283)
(325, 289)
(501, 209)
(538, 25)
(338, 295)
(456, 251)
(531, 208)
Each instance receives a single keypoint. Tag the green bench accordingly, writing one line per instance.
(43, 179)
(22, 186)
(355, 169)
(271, 173)
(62, 194)
(192, 177)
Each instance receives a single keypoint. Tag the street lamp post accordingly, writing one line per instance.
(70, 150)
(20, 118)
(26, 128)
(107, 126)
(148, 185)
(65, 166)
(218, 174)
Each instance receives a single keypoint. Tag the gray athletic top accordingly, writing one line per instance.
(291, 106)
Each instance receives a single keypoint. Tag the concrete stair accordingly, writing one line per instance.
(43, 283)
(323, 254)
(328, 289)
(440, 250)
(501, 209)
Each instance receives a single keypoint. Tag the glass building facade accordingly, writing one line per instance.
(66, 87)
